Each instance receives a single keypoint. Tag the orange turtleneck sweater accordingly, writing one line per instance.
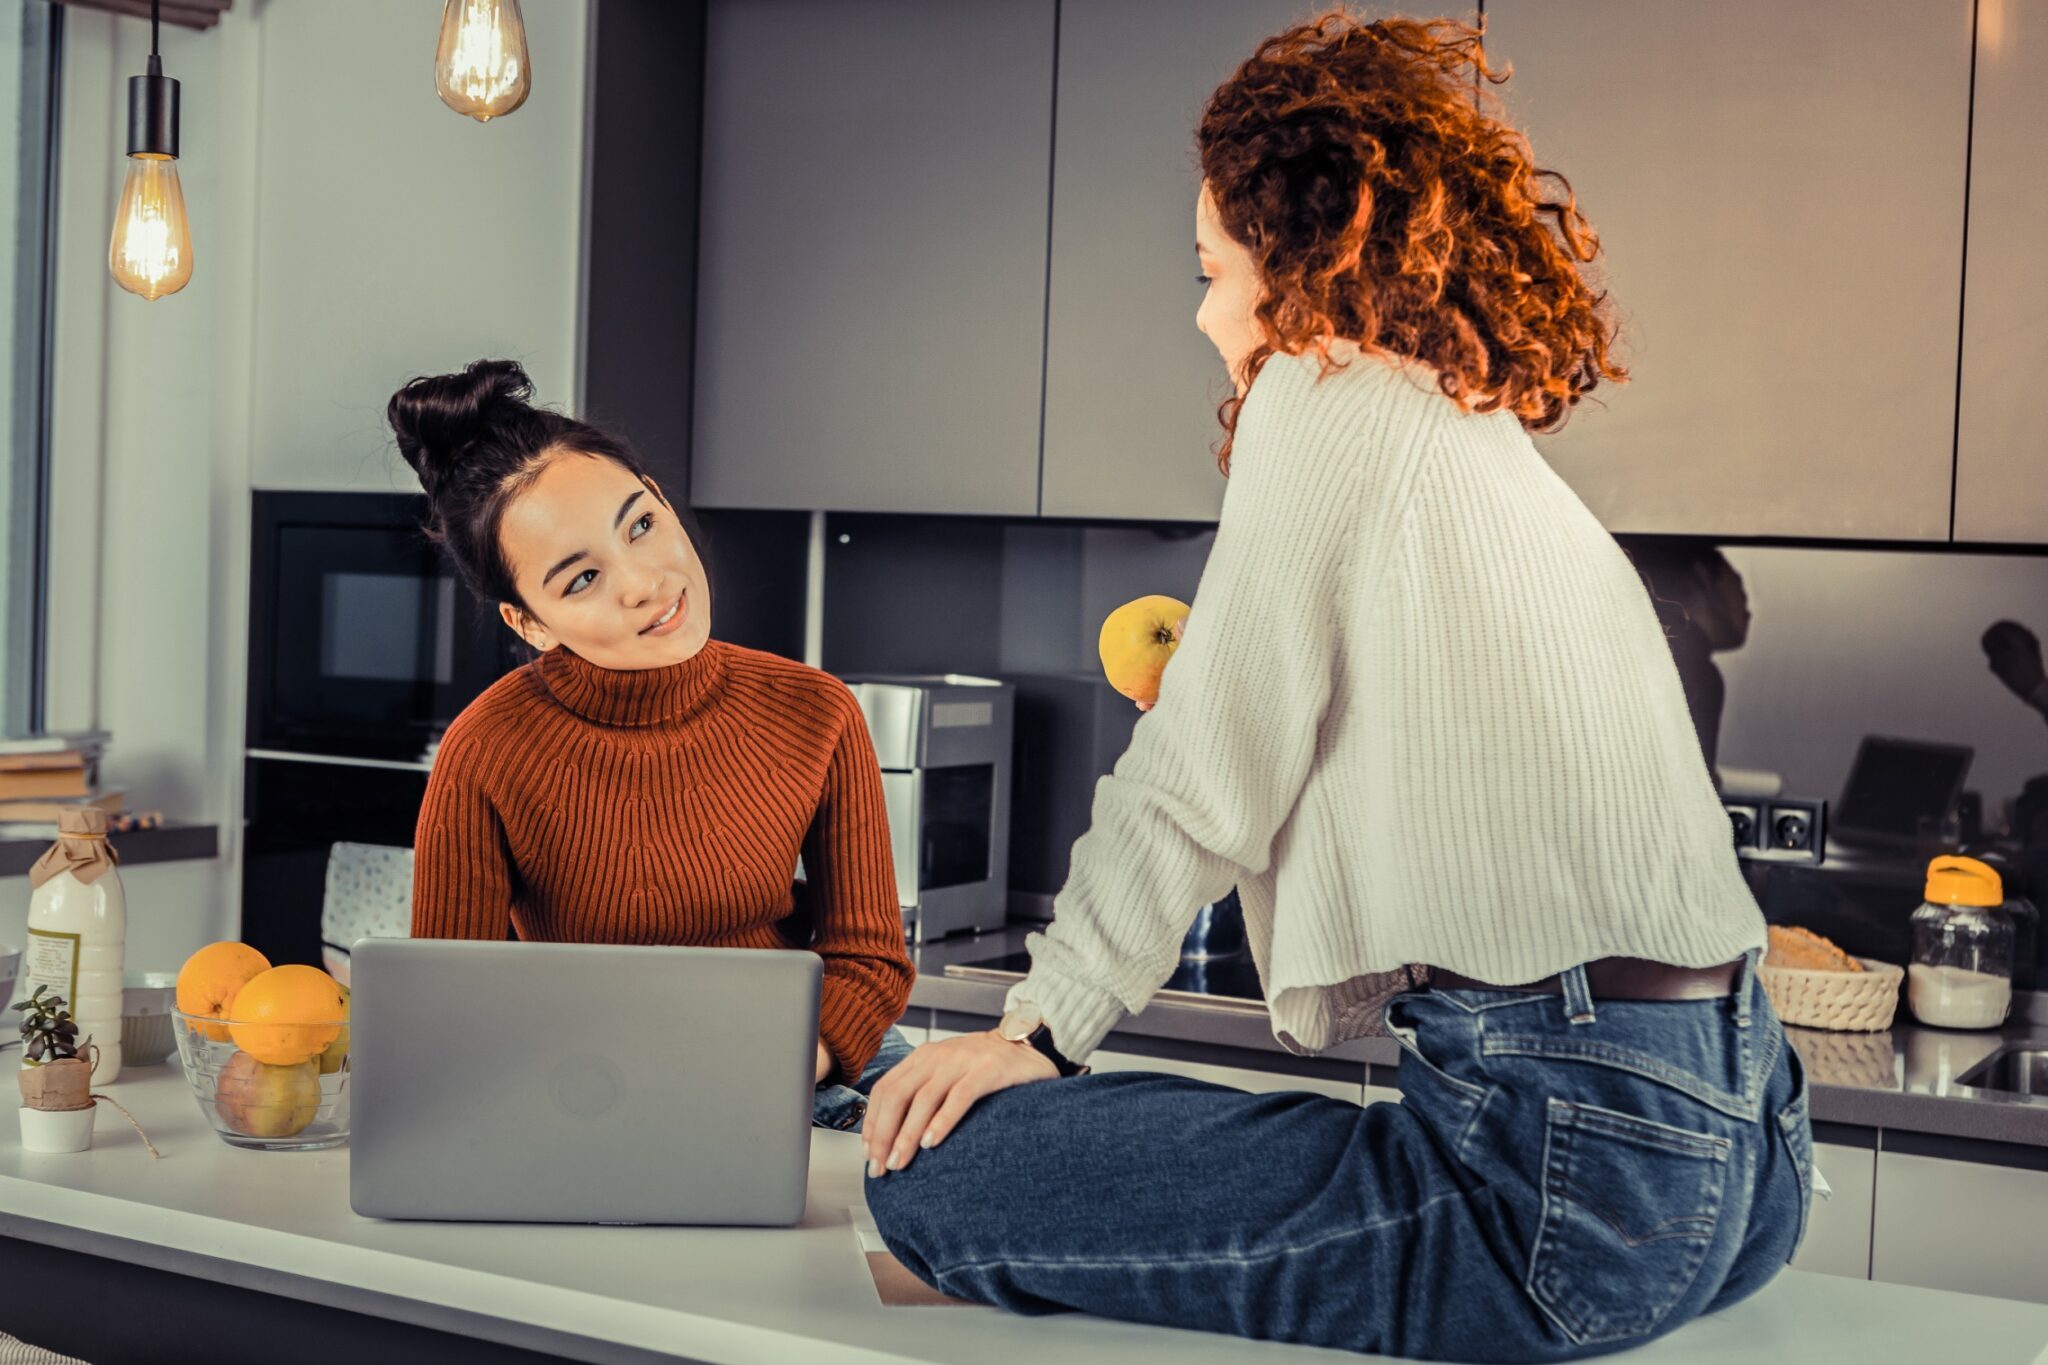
(668, 805)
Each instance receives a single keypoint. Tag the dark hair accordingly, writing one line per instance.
(1385, 199)
(477, 441)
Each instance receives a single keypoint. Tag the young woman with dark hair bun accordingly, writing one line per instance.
(639, 781)
(1422, 714)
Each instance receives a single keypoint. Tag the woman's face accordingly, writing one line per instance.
(604, 566)
(1231, 293)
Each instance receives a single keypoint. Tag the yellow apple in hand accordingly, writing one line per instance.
(1137, 640)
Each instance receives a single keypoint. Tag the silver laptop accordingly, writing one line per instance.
(579, 1083)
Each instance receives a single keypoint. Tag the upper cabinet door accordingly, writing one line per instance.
(1779, 189)
(2001, 454)
(1131, 388)
(871, 315)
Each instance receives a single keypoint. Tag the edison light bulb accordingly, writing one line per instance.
(152, 250)
(480, 67)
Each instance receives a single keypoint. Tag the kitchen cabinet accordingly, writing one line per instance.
(1131, 387)
(2001, 454)
(1779, 190)
(870, 329)
(373, 236)
(1838, 1228)
(1961, 1224)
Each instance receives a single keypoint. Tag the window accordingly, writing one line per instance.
(29, 40)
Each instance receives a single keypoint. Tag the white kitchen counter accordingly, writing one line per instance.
(280, 1222)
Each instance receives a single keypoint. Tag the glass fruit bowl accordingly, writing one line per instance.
(295, 1101)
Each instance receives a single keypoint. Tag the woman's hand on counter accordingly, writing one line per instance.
(924, 1096)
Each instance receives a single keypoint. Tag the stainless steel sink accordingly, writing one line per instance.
(2017, 1068)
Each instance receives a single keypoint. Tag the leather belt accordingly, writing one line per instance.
(1619, 978)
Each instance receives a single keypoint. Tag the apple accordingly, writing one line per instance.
(257, 1099)
(1137, 640)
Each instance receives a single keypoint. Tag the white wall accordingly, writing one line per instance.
(348, 231)
(397, 238)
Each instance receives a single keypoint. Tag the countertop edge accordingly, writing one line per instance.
(476, 1307)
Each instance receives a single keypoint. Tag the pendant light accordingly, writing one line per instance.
(480, 67)
(151, 253)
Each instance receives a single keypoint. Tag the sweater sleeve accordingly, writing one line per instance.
(462, 871)
(1214, 769)
(859, 926)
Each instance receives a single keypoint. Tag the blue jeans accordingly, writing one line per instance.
(844, 1106)
(1549, 1188)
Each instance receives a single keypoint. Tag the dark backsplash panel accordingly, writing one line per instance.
(910, 594)
(756, 562)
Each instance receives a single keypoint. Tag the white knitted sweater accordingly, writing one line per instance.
(1423, 712)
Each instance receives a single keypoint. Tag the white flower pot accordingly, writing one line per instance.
(62, 1130)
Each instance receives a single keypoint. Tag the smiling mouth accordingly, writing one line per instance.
(663, 619)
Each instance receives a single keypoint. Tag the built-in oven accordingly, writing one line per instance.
(363, 641)
(363, 646)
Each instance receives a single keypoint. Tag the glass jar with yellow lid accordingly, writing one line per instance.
(1961, 974)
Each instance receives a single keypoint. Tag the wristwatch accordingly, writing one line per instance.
(1025, 1026)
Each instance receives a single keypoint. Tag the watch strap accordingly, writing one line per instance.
(1040, 1040)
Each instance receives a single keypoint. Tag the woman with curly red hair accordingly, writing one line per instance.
(1423, 713)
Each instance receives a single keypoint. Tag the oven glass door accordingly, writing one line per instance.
(368, 637)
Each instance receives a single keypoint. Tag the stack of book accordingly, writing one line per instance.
(43, 776)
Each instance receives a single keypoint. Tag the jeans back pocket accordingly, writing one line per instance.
(1630, 1210)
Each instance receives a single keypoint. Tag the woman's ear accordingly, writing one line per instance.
(526, 628)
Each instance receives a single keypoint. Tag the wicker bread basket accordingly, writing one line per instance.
(1854, 1002)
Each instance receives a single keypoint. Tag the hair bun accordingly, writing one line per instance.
(438, 417)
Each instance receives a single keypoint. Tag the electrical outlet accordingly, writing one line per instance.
(1779, 830)
(1743, 823)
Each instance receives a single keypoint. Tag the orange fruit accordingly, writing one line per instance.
(211, 979)
(1137, 639)
(288, 1015)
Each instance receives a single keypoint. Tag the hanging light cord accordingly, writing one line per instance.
(155, 23)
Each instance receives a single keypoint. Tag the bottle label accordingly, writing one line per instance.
(52, 961)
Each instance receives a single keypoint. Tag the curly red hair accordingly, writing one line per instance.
(1385, 200)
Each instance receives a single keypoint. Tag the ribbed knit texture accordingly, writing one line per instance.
(1423, 712)
(580, 804)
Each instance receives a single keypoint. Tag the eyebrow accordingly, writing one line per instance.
(617, 517)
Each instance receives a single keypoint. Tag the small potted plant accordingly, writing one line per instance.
(56, 1081)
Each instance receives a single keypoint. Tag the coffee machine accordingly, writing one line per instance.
(943, 743)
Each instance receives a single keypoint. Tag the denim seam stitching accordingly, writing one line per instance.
(1469, 1091)
(1622, 1059)
(1663, 1136)
(1219, 1258)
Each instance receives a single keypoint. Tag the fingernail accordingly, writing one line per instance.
(895, 1162)
(926, 1142)
(874, 1169)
